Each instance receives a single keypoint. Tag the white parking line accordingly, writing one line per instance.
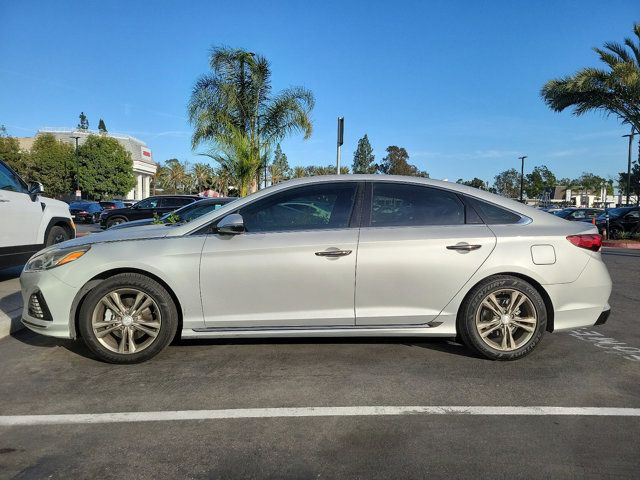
(125, 417)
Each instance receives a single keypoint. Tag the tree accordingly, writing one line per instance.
(239, 157)
(396, 163)
(203, 175)
(175, 176)
(84, 122)
(540, 179)
(507, 183)
(363, 157)
(105, 168)
(102, 128)
(233, 108)
(299, 172)
(53, 163)
(11, 154)
(634, 184)
(313, 170)
(613, 90)
(475, 183)
(280, 169)
(589, 182)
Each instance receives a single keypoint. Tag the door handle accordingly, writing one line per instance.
(463, 247)
(333, 253)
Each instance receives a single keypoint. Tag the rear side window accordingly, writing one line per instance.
(173, 202)
(405, 205)
(492, 214)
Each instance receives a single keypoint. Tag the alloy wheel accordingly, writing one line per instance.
(126, 320)
(506, 319)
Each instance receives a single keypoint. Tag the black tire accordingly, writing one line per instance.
(57, 234)
(115, 221)
(150, 287)
(614, 233)
(467, 317)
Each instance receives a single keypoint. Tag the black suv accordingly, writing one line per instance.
(147, 208)
(621, 220)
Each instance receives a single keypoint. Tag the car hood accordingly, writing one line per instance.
(120, 235)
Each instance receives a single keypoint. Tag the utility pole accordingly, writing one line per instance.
(521, 175)
(78, 192)
(340, 142)
(630, 135)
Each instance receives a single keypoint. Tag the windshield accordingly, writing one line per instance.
(615, 212)
(190, 212)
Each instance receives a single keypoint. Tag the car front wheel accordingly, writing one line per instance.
(503, 318)
(57, 234)
(128, 318)
(115, 221)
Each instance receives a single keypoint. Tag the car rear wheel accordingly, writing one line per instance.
(128, 318)
(503, 318)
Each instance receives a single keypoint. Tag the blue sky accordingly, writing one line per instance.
(454, 82)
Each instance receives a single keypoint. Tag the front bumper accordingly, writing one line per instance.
(58, 296)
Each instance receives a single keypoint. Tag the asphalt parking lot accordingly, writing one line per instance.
(593, 367)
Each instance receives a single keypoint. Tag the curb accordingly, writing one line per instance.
(627, 245)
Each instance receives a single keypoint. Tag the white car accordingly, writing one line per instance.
(374, 255)
(29, 221)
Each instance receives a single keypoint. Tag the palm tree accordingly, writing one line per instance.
(234, 105)
(613, 90)
(240, 159)
(176, 174)
(299, 172)
(202, 176)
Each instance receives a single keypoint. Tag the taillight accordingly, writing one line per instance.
(590, 241)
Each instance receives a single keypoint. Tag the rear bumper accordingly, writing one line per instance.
(602, 319)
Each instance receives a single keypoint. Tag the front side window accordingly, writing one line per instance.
(312, 207)
(578, 214)
(10, 181)
(398, 204)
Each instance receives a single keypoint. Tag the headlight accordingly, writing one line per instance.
(55, 258)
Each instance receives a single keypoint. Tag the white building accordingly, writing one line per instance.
(144, 168)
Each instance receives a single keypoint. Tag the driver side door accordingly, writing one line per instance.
(294, 266)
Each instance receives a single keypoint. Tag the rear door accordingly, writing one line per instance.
(416, 251)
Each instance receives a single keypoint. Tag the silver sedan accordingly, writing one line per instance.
(349, 255)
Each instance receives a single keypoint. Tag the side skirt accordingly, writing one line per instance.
(428, 330)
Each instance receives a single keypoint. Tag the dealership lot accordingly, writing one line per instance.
(593, 367)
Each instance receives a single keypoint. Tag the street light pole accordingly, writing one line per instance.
(630, 135)
(521, 175)
(339, 143)
(78, 192)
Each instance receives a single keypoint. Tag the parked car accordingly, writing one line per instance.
(579, 214)
(85, 211)
(147, 208)
(111, 204)
(621, 220)
(182, 215)
(381, 256)
(29, 220)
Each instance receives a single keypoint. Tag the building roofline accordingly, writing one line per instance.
(122, 136)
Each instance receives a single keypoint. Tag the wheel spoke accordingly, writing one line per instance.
(140, 297)
(511, 339)
(115, 297)
(528, 328)
(123, 342)
(503, 344)
(530, 320)
(145, 327)
(105, 324)
(132, 343)
(487, 304)
(110, 305)
(106, 331)
(147, 303)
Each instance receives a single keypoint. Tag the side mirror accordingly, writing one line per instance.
(231, 225)
(35, 189)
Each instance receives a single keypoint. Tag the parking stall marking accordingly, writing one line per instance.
(357, 411)
(607, 344)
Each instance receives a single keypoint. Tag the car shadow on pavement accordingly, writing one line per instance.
(35, 340)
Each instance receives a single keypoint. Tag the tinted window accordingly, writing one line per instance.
(311, 207)
(578, 214)
(397, 204)
(10, 181)
(633, 215)
(148, 203)
(173, 202)
(492, 214)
